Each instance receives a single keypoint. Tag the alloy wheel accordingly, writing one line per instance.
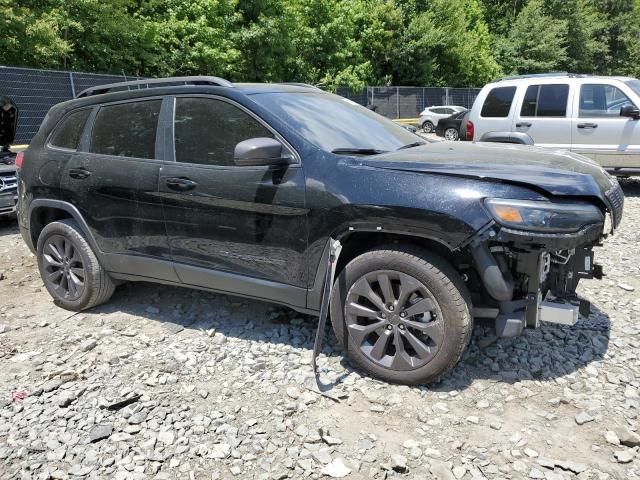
(394, 319)
(451, 134)
(63, 267)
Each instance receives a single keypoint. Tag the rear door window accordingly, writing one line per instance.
(126, 129)
(498, 102)
(67, 134)
(599, 100)
(545, 101)
(207, 130)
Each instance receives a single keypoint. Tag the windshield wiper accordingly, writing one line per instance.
(411, 145)
(357, 151)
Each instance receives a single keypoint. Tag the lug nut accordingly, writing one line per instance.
(389, 327)
(403, 314)
(391, 308)
(401, 327)
(384, 315)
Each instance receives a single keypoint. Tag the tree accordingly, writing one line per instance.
(30, 37)
(535, 44)
(584, 25)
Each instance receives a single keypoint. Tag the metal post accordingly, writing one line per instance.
(397, 102)
(446, 95)
(73, 86)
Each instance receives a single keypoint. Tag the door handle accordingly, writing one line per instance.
(587, 125)
(180, 184)
(79, 173)
(522, 124)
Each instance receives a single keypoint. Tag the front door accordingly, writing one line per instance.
(600, 132)
(544, 116)
(229, 225)
(113, 181)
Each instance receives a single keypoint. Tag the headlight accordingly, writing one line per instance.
(543, 216)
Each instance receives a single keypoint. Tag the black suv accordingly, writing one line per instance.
(8, 181)
(265, 190)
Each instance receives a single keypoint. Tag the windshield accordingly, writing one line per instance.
(635, 85)
(332, 122)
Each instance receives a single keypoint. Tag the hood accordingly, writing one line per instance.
(8, 121)
(555, 172)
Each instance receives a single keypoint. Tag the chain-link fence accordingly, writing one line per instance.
(408, 102)
(35, 91)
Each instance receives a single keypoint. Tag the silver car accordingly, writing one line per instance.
(430, 116)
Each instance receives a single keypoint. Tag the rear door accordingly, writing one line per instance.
(113, 181)
(228, 224)
(543, 113)
(599, 131)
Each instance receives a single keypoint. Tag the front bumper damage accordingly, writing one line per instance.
(531, 278)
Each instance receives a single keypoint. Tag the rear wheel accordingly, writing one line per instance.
(451, 134)
(427, 127)
(402, 314)
(69, 268)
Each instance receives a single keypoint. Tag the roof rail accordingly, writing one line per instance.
(300, 84)
(542, 75)
(155, 83)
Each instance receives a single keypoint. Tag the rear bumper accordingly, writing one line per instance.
(26, 236)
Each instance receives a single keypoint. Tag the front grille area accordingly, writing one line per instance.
(8, 182)
(616, 199)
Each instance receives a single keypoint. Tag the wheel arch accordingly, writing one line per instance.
(507, 137)
(355, 243)
(44, 211)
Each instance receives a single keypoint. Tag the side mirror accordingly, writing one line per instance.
(261, 151)
(630, 111)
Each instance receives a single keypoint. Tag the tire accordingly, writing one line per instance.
(63, 252)
(427, 127)
(451, 134)
(445, 330)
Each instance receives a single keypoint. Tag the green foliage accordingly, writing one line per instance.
(531, 48)
(333, 42)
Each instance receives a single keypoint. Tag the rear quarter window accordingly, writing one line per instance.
(498, 102)
(68, 132)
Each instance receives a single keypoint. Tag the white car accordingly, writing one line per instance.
(595, 116)
(430, 116)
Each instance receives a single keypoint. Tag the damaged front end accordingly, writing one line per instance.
(529, 264)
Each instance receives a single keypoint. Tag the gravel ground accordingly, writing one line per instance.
(166, 382)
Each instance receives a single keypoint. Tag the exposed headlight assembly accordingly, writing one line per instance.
(543, 216)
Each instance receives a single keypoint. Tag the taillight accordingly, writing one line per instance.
(19, 159)
(470, 132)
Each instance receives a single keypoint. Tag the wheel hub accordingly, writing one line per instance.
(394, 319)
(64, 271)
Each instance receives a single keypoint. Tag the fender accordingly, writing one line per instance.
(507, 137)
(72, 211)
(314, 294)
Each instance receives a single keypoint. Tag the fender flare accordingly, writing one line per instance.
(71, 210)
(314, 293)
(507, 137)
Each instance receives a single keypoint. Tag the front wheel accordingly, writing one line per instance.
(69, 268)
(451, 134)
(402, 314)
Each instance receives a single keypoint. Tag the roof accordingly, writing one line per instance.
(199, 81)
(559, 75)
